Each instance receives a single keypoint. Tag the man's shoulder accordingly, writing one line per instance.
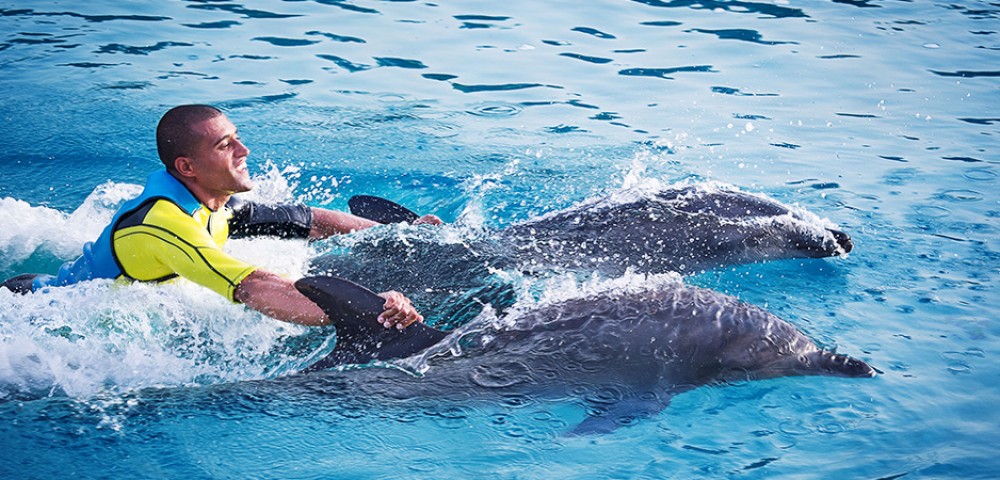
(162, 212)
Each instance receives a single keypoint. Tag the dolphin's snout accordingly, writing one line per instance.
(850, 367)
(825, 362)
(825, 246)
(843, 240)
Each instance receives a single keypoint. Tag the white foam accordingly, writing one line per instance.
(28, 228)
(99, 336)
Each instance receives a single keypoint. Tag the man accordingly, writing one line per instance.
(177, 226)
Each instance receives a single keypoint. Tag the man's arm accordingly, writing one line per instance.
(297, 221)
(278, 298)
(326, 223)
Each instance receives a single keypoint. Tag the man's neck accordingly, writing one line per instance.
(213, 201)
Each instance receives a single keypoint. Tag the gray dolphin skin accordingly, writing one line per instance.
(623, 353)
(685, 230)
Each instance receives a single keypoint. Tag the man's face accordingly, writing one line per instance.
(220, 159)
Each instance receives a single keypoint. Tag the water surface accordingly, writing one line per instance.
(880, 116)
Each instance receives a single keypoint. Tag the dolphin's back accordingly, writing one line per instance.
(688, 334)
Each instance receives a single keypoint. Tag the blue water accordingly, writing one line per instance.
(880, 116)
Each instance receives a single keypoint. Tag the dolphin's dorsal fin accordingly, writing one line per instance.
(354, 311)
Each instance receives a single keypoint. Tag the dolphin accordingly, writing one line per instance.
(682, 229)
(623, 352)
(685, 229)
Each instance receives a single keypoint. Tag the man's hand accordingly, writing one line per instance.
(399, 312)
(429, 219)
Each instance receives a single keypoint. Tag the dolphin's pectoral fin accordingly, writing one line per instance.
(620, 414)
(354, 311)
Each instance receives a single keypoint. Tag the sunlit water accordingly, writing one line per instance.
(879, 116)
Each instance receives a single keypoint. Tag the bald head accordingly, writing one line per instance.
(175, 136)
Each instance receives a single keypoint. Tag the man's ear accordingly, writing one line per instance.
(184, 166)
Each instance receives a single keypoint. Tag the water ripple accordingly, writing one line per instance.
(776, 11)
(248, 102)
(739, 93)
(399, 63)
(441, 77)
(503, 87)
(126, 86)
(494, 109)
(662, 23)
(181, 73)
(565, 129)
(90, 18)
(980, 174)
(348, 6)
(856, 115)
(241, 10)
(981, 121)
(337, 38)
(744, 35)
(594, 32)
(932, 211)
(472, 22)
(501, 375)
(585, 58)
(859, 3)
(91, 65)
(962, 159)
(113, 48)
(960, 196)
(213, 25)
(285, 42)
(664, 72)
(344, 63)
(837, 57)
(968, 73)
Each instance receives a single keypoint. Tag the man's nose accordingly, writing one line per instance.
(242, 149)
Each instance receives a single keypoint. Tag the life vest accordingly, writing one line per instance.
(98, 259)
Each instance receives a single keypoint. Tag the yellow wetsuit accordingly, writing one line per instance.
(160, 241)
